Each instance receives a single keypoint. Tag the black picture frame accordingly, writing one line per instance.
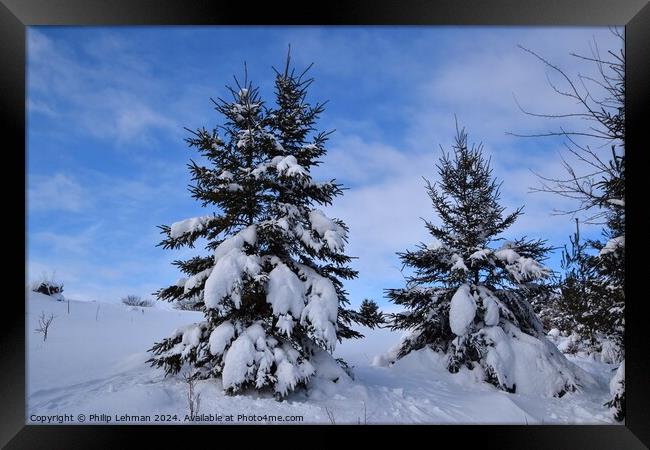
(16, 15)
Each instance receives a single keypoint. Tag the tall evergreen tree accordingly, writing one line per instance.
(293, 124)
(465, 298)
(271, 288)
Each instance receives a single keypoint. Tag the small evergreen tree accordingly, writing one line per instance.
(271, 288)
(464, 298)
(607, 307)
(574, 288)
(370, 315)
(591, 303)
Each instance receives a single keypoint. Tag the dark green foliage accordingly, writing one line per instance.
(240, 177)
(591, 302)
(466, 200)
(370, 315)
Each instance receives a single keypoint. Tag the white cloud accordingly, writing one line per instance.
(79, 244)
(353, 159)
(108, 92)
(34, 106)
(479, 84)
(59, 192)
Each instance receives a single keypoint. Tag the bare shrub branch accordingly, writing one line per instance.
(44, 323)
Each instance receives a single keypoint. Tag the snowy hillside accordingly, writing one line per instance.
(93, 362)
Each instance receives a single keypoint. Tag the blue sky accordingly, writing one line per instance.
(107, 106)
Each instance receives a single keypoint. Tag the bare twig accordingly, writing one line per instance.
(193, 398)
(606, 114)
(44, 323)
(330, 416)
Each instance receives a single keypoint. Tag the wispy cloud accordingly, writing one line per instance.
(59, 192)
(34, 106)
(102, 88)
(79, 244)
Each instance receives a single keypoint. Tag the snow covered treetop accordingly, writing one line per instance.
(466, 199)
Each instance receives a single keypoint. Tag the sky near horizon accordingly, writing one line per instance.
(107, 107)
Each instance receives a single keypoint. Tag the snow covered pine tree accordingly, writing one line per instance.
(271, 290)
(470, 301)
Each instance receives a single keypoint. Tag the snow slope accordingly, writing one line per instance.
(93, 362)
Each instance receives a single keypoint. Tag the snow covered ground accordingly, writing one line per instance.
(93, 363)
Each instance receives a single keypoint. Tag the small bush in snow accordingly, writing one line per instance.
(135, 300)
(49, 287)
